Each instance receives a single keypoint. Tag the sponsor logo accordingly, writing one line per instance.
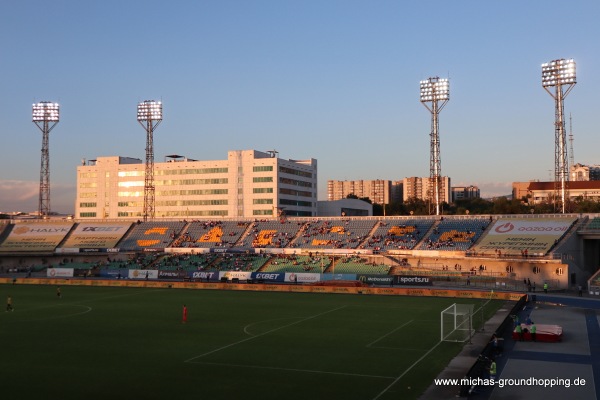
(505, 228)
(202, 275)
(413, 292)
(20, 230)
(414, 279)
(542, 229)
(169, 274)
(271, 277)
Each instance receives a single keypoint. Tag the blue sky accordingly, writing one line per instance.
(333, 80)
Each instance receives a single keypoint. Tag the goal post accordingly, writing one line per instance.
(456, 323)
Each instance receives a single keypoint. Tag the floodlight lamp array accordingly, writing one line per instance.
(435, 89)
(149, 110)
(558, 72)
(45, 111)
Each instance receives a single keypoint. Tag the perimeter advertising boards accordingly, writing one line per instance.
(35, 237)
(114, 273)
(143, 274)
(407, 280)
(302, 277)
(512, 236)
(204, 275)
(229, 275)
(376, 279)
(172, 274)
(338, 277)
(59, 272)
(98, 235)
(268, 276)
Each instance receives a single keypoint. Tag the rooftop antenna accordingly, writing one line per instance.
(273, 153)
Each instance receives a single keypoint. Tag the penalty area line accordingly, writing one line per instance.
(407, 370)
(310, 371)
(389, 333)
(263, 334)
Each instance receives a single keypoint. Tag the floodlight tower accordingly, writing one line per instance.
(571, 153)
(435, 93)
(45, 115)
(560, 75)
(149, 115)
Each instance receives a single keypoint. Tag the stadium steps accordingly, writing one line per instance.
(244, 235)
(487, 229)
(131, 227)
(369, 235)
(5, 230)
(576, 226)
(426, 235)
(68, 235)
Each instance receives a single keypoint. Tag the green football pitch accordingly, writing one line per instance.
(129, 343)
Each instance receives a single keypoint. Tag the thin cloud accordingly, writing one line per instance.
(23, 196)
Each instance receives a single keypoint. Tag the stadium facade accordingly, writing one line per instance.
(248, 184)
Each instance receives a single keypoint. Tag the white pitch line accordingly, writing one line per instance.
(405, 372)
(262, 334)
(247, 332)
(389, 333)
(88, 309)
(296, 370)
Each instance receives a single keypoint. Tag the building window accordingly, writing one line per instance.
(262, 179)
(295, 172)
(262, 212)
(262, 190)
(263, 168)
(262, 201)
(87, 205)
(130, 184)
(87, 215)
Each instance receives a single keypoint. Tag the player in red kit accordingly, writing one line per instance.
(184, 320)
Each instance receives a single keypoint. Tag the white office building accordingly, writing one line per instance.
(248, 184)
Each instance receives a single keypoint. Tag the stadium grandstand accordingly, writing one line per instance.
(500, 250)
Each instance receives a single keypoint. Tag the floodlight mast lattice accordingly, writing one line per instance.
(435, 93)
(149, 115)
(45, 115)
(560, 75)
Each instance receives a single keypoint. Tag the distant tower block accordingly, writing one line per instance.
(149, 115)
(45, 115)
(435, 93)
(560, 75)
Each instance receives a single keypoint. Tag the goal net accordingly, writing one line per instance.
(457, 323)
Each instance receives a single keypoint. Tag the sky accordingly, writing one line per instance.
(337, 81)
